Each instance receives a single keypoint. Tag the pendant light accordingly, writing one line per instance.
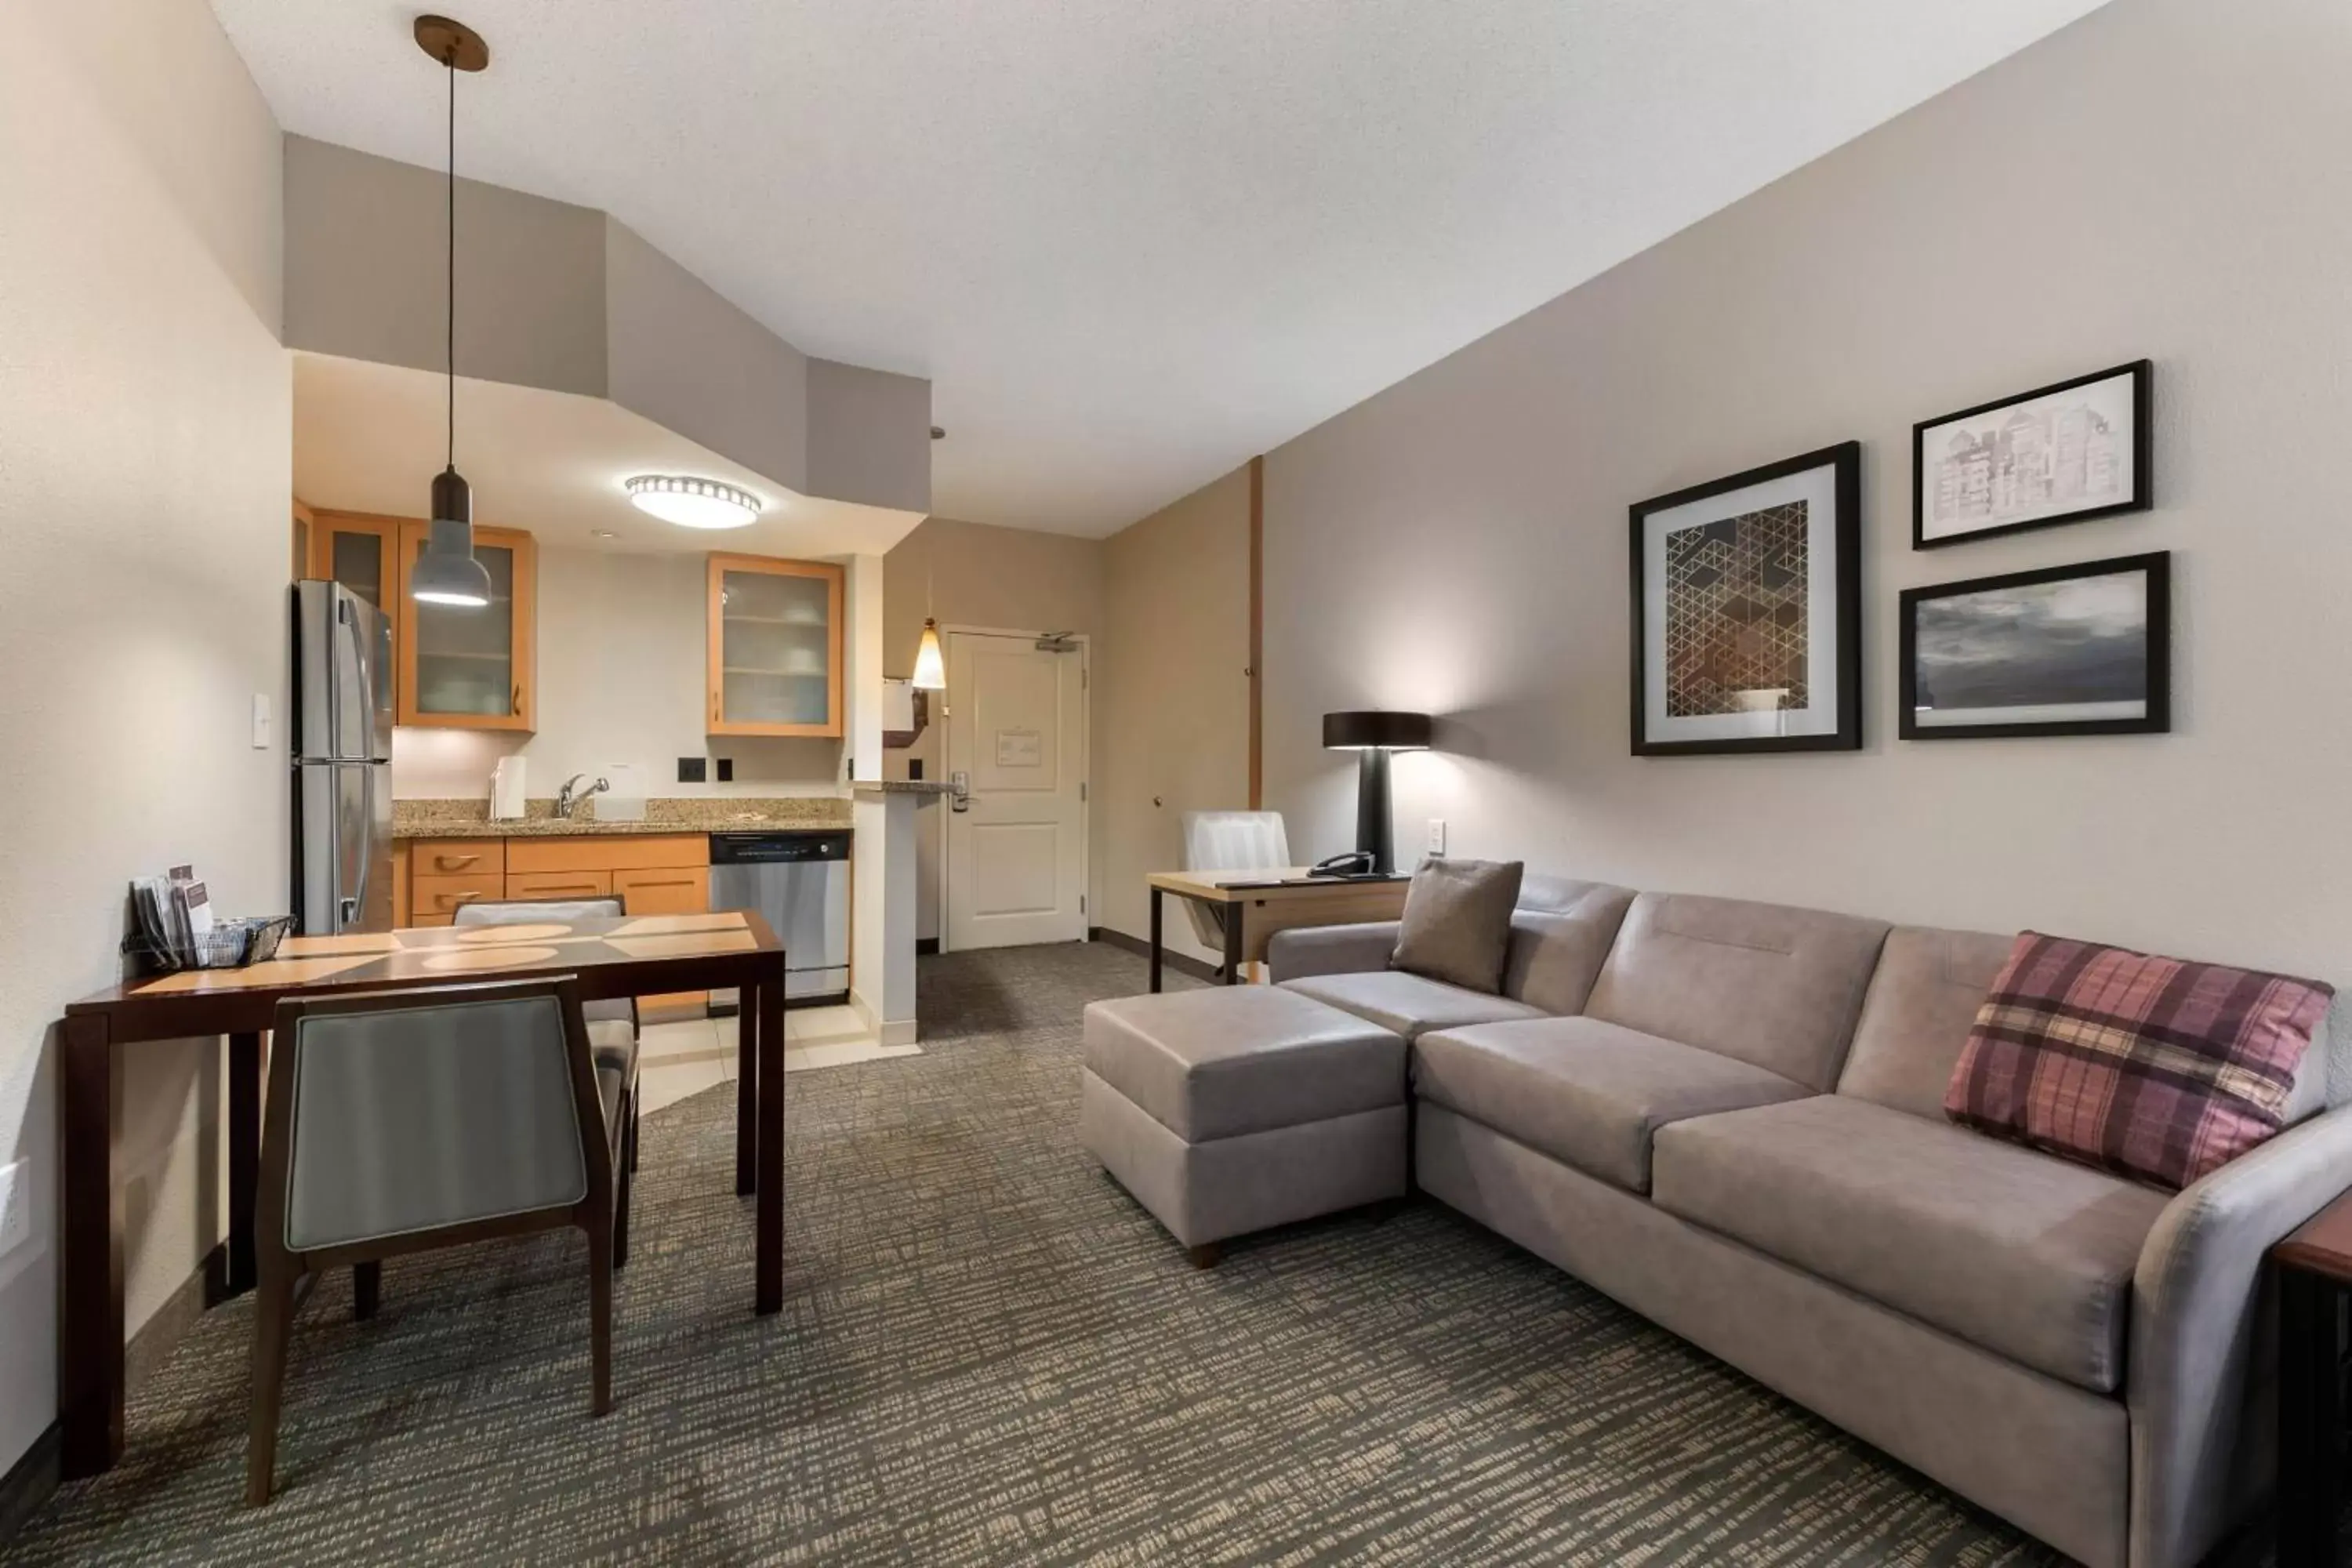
(447, 573)
(931, 669)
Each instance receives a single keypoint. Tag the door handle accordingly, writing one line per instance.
(960, 791)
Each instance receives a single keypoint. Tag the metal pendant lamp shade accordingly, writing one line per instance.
(446, 572)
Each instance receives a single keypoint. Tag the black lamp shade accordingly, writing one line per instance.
(1374, 730)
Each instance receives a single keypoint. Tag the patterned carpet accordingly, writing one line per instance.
(989, 1354)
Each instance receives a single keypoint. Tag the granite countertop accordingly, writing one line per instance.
(698, 814)
(902, 786)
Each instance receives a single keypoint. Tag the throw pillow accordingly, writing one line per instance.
(2155, 1068)
(1458, 921)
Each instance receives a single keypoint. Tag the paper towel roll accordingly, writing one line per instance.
(505, 790)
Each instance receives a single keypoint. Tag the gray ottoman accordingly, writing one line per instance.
(1228, 1110)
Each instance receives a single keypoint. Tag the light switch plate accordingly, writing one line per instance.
(1437, 836)
(15, 1208)
(261, 720)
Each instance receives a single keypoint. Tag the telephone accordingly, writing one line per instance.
(1354, 863)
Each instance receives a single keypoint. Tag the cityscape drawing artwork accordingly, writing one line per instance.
(1736, 609)
(2036, 460)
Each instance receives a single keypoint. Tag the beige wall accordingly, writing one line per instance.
(969, 574)
(2149, 181)
(621, 680)
(145, 427)
(1172, 702)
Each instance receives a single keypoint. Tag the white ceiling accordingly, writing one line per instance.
(1133, 242)
(370, 438)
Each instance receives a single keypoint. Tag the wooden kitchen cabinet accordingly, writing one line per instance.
(773, 657)
(436, 900)
(360, 552)
(469, 668)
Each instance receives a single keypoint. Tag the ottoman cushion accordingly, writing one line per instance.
(1241, 1059)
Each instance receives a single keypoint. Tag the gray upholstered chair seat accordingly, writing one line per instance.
(1239, 1059)
(1407, 1003)
(2026, 1254)
(1588, 1093)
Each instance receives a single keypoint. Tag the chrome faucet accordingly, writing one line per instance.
(567, 800)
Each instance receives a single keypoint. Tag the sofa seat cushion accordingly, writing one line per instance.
(1589, 1094)
(1409, 1004)
(1237, 1059)
(2024, 1254)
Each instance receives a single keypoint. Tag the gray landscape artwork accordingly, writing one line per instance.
(2045, 652)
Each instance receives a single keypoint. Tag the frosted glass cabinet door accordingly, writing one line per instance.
(470, 668)
(774, 646)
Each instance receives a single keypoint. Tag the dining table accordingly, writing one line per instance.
(607, 956)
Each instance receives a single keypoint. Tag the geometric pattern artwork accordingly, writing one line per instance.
(988, 1355)
(1735, 608)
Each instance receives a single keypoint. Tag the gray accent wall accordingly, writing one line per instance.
(567, 298)
(2164, 178)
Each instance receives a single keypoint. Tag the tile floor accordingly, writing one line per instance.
(688, 1056)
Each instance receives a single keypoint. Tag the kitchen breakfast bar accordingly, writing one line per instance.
(610, 957)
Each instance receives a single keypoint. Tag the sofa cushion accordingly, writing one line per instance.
(1915, 1019)
(1775, 987)
(1588, 1093)
(1408, 1004)
(1458, 921)
(2162, 1069)
(1240, 1058)
(1559, 936)
(2025, 1255)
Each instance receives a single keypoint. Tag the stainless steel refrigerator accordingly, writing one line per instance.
(341, 745)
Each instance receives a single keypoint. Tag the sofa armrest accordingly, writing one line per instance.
(2200, 1377)
(1330, 950)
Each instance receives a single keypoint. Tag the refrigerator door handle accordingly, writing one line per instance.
(354, 905)
(335, 686)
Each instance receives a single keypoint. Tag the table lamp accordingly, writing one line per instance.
(1372, 735)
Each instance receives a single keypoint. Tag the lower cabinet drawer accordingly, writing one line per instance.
(559, 885)
(436, 900)
(685, 890)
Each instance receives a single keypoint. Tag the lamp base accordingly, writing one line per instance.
(1373, 826)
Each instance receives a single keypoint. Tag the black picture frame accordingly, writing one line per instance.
(2156, 721)
(2142, 443)
(1844, 460)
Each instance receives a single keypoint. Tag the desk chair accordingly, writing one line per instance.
(401, 1122)
(1230, 841)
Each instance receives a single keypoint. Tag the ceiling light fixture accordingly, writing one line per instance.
(693, 503)
(930, 667)
(447, 573)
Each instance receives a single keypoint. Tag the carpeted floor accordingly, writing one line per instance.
(989, 1354)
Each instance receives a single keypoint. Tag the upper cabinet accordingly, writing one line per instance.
(359, 551)
(774, 653)
(462, 668)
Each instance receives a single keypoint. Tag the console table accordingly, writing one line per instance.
(2314, 1267)
(1256, 904)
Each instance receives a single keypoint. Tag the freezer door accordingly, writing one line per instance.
(346, 847)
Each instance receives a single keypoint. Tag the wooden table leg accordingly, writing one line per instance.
(2310, 1418)
(769, 1291)
(1235, 917)
(1155, 938)
(747, 1092)
(89, 1381)
(243, 1155)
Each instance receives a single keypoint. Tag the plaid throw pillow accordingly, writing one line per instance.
(2154, 1068)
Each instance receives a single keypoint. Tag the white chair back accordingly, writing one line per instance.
(1230, 841)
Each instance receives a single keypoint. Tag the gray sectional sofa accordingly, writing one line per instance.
(1729, 1116)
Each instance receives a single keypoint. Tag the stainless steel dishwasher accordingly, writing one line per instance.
(799, 882)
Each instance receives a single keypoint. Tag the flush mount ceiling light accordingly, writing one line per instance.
(693, 503)
(447, 573)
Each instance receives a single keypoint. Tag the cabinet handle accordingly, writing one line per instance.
(517, 709)
(676, 883)
(454, 862)
(450, 900)
(565, 888)
(714, 707)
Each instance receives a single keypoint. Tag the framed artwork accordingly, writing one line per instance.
(2068, 650)
(1747, 611)
(2079, 449)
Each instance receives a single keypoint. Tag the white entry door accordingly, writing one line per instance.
(1016, 847)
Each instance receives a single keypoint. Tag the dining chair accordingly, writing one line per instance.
(1230, 841)
(401, 1122)
(612, 1025)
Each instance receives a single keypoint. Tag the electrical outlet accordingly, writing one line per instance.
(726, 770)
(1437, 836)
(16, 1207)
(691, 770)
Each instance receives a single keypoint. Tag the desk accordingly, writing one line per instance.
(1256, 904)
(2314, 1267)
(611, 956)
